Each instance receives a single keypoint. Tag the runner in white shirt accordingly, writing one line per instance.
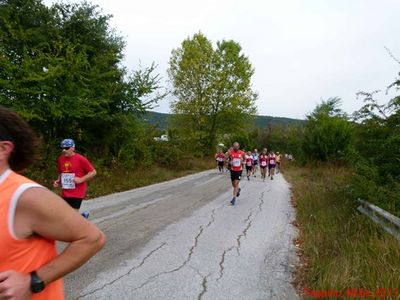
(255, 159)
(249, 161)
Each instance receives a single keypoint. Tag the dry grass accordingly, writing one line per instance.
(339, 247)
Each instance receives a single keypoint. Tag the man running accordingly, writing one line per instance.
(32, 218)
(220, 158)
(74, 171)
(236, 157)
(272, 164)
(249, 164)
(263, 159)
(255, 160)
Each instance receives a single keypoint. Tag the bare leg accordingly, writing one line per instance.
(235, 185)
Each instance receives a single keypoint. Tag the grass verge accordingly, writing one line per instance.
(340, 248)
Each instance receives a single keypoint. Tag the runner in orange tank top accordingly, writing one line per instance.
(31, 219)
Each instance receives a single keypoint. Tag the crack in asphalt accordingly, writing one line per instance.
(204, 287)
(212, 218)
(127, 273)
(243, 233)
(249, 222)
(262, 201)
(189, 256)
(222, 261)
(203, 283)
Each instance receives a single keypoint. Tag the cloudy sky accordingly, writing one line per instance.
(302, 50)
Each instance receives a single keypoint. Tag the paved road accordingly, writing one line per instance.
(182, 240)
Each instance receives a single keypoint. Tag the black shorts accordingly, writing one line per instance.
(263, 167)
(256, 163)
(271, 166)
(221, 163)
(249, 168)
(236, 175)
(74, 202)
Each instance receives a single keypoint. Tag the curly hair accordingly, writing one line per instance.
(16, 130)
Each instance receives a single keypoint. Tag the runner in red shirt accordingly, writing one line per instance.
(263, 161)
(249, 164)
(220, 158)
(74, 170)
(236, 158)
(272, 164)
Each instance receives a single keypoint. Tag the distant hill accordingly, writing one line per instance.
(265, 121)
(160, 120)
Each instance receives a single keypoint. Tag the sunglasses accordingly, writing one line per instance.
(65, 148)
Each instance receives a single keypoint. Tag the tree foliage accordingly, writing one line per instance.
(328, 133)
(61, 70)
(212, 89)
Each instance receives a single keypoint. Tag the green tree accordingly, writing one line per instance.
(378, 134)
(377, 152)
(212, 89)
(61, 70)
(328, 132)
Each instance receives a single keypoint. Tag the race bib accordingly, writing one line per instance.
(263, 163)
(237, 162)
(249, 163)
(220, 159)
(272, 162)
(67, 181)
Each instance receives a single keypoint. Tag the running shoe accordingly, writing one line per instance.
(85, 214)
(233, 201)
(238, 193)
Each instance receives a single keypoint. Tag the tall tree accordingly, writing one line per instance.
(61, 70)
(328, 132)
(212, 89)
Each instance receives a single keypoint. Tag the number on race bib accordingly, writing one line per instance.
(237, 162)
(263, 163)
(272, 162)
(67, 181)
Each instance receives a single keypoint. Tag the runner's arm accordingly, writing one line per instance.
(47, 215)
(56, 183)
(88, 176)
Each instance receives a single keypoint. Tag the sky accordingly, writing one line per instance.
(303, 51)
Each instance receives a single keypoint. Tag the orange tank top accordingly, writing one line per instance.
(24, 255)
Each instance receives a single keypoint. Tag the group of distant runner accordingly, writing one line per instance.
(235, 160)
(32, 218)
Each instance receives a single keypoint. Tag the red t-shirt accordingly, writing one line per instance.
(70, 167)
(236, 160)
(263, 160)
(272, 159)
(220, 157)
(249, 160)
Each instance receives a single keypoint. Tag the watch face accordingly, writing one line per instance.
(37, 285)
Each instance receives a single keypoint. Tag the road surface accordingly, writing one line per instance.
(182, 239)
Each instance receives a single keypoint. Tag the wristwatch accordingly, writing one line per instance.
(37, 284)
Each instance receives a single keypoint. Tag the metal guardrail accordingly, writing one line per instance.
(389, 222)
